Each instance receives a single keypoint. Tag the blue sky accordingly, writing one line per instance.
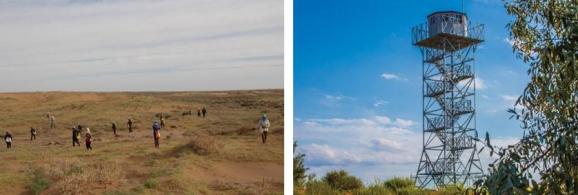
(140, 45)
(358, 83)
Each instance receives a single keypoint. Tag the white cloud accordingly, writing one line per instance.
(360, 145)
(388, 144)
(510, 98)
(330, 156)
(384, 120)
(141, 45)
(339, 141)
(328, 100)
(380, 103)
(390, 76)
(403, 123)
(336, 97)
(480, 84)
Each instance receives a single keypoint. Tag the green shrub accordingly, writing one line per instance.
(319, 187)
(373, 189)
(453, 189)
(299, 170)
(150, 183)
(40, 182)
(395, 186)
(399, 184)
(341, 180)
(74, 170)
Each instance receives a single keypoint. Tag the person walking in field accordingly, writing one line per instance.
(156, 133)
(162, 122)
(73, 136)
(88, 139)
(129, 124)
(199, 112)
(263, 126)
(33, 132)
(51, 120)
(114, 128)
(204, 112)
(8, 140)
(76, 135)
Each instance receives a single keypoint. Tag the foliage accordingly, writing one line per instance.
(544, 34)
(39, 182)
(319, 187)
(150, 183)
(392, 186)
(374, 189)
(456, 189)
(341, 180)
(299, 169)
(399, 184)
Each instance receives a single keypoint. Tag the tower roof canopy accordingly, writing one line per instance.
(447, 12)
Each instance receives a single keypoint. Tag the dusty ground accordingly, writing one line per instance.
(220, 154)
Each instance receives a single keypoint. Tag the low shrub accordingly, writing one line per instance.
(341, 180)
(39, 181)
(399, 184)
(150, 183)
(319, 187)
(203, 145)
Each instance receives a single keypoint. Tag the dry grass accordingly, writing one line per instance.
(69, 176)
(194, 151)
(204, 145)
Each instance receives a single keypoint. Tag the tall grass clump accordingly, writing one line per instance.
(399, 184)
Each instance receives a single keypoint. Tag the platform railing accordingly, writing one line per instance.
(421, 32)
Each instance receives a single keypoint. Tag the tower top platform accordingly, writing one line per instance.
(447, 30)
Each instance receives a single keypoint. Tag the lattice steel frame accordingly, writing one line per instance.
(449, 153)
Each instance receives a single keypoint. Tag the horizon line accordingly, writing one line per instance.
(143, 91)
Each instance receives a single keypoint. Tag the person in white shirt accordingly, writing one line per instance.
(8, 140)
(51, 120)
(263, 126)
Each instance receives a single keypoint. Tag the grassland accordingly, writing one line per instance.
(220, 154)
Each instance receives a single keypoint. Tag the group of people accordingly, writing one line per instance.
(202, 111)
(263, 126)
(88, 136)
(76, 135)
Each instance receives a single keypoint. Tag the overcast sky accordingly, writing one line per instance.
(136, 45)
